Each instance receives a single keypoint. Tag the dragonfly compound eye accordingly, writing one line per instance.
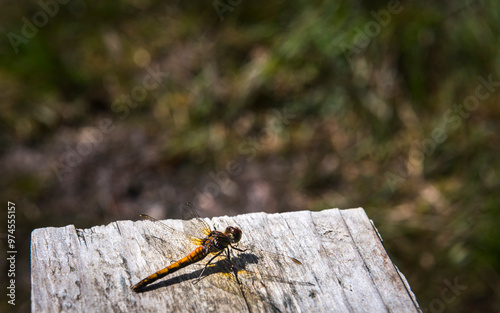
(234, 233)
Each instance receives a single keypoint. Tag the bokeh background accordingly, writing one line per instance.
(118, 108)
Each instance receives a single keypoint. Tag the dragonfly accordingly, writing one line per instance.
(208, 242)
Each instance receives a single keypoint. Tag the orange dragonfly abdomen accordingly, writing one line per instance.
(198, 254)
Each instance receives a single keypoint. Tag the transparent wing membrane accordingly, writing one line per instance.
(193, 224)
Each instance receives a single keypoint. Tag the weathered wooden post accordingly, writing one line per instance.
(345, 268)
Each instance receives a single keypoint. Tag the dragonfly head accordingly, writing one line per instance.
(234, 234)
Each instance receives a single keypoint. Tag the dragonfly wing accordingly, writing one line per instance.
(269, 256)
(192, 222)
(222, 275)
(161, 235)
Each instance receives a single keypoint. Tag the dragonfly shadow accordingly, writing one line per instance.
(223, 266)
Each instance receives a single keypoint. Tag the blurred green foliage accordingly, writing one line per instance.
(321, 104)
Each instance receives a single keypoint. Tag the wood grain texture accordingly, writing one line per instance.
(345, 268)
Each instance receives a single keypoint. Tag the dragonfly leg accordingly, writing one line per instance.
(238, 249)
(204, 268)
